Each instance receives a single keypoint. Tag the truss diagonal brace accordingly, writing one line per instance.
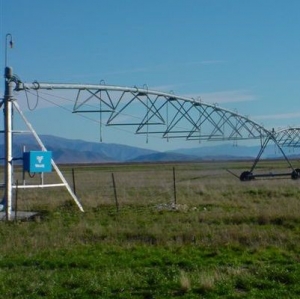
(52, 161)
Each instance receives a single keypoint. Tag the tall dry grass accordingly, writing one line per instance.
(213, 208)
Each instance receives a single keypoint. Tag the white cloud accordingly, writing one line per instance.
(277, 116)
(220, 97)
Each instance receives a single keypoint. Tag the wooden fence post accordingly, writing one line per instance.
(174, 186)
(115, 192)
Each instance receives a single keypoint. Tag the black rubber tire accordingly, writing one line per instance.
(295, 174)
(246, 176)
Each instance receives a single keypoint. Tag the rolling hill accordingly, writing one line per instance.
(79, 151)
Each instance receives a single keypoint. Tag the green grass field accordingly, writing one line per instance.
(223, 238)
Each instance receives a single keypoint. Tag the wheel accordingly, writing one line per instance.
(295, 174)
(246, 176)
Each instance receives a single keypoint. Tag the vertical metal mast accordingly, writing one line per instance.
(8, 140)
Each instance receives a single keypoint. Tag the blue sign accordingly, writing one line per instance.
(37, 161)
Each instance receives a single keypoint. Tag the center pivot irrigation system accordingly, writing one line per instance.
(158, 113)
(171, 116)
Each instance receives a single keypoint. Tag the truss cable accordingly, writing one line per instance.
(147, 139)
(85, 117)
(261, 140)
(119, 112)
(167, 118)
(145, 86)
(235, 142)
(53, 103)
(66, 109)
(72, 101)
(171, 127)
(60, 97)
(200, 120)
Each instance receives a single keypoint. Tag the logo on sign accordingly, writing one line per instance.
(39, 160)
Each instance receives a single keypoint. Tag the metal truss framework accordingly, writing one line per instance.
(172, 116)
(284, 138)
(289, 137)
(166, 114)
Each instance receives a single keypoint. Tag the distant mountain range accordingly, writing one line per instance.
(79, 151)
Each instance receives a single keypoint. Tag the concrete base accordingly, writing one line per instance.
(19, 215)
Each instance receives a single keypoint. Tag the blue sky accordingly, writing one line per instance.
(241, 54)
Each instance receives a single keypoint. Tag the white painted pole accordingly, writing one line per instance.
(8, 140)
